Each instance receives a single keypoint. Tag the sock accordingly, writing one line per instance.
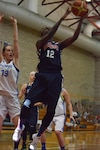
(62, 148)
(16, 144)
(43, 146)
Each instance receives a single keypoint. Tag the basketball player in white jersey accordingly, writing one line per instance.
(59, 119)
(9, 71)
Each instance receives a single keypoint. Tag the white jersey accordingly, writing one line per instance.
(8, 79)
(60, 107)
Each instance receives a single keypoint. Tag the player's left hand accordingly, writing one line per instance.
(72, 118)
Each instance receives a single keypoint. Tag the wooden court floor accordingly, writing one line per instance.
(75, 140)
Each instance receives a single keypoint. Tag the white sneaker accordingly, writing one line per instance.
(34, 143)
(17, 134)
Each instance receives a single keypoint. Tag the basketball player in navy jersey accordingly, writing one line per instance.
(9, 72)
(30, 124)
(48, 81)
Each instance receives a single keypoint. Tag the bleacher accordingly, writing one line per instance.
(7, 124)
(83, 126)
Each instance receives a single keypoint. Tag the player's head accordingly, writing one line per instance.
(45, 31)
(8, 52)
(32, 76)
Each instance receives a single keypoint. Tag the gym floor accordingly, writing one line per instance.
(75, 140)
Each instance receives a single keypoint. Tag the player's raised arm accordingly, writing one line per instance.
(48, 33)
(15, 42)
(67, 42)
(1, 57)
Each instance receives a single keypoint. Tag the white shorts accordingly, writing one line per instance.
(9, 105)
(58, 123)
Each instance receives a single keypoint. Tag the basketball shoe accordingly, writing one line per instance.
(17, 134)
(33, 144)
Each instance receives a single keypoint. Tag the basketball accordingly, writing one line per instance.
(79, 8)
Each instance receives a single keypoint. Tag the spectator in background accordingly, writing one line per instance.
(86, 115)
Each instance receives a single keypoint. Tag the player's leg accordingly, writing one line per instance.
(13, 106)
(33, 121)
(51, 98)
(43, 141)
(3, 110)
(59, 125)
(15, 121)
(24, 136)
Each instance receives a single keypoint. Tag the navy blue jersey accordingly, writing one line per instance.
(33, 109)
(50, 58)
(27, 89)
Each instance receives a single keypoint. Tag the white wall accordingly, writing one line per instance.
(11, 1)
(28, 4)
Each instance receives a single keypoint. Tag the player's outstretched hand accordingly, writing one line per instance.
(72, 119)
(13, 19)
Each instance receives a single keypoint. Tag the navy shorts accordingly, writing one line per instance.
(33, 116)
(46, 88)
